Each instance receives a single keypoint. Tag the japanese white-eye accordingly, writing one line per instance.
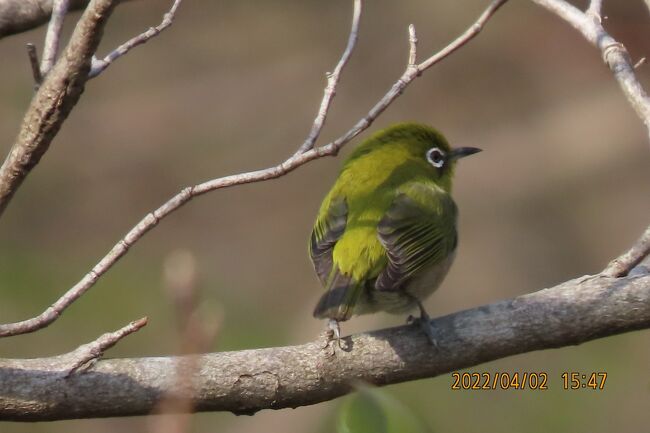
(385, 235)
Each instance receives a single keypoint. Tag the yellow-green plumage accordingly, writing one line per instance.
(388, 222)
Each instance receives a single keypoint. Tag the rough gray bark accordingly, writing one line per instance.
(54, 100)
(247, 381)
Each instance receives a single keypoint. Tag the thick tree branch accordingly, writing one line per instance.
(613, 52)
(17, 16)
(247, 381)
(54, 100)
(185, 195)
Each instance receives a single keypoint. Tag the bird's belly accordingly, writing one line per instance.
(424, 285)
(420, 287)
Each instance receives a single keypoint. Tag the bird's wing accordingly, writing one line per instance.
(327, 231)
(417, 231)
(342, 290)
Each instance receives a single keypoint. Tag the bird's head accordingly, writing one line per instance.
(408, 150)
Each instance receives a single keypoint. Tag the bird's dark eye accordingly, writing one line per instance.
(436, 157)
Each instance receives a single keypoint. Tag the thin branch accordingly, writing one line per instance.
(413, 44)
(623, 264)
(98, 66)
(91, 352)
(332, 82)
(54, 100)
(186, 194)
(33, 61)
(250, 380)
(53, 36)
(613, 53)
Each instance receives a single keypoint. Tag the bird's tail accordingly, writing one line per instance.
(341, 297)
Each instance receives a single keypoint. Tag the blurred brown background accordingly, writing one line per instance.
(562, 187)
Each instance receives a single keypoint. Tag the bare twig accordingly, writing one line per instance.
(614, 53)
(92, 351)
(332, 82)
(98, 66)
(186, 194)
(53, 36)
(33, 61)
(620, 266)
(54, 100)
(273, 378)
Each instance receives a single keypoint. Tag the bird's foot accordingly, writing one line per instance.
(332, 337)
(425, 324)
(428, 330)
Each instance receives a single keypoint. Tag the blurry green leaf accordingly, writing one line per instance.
(371, 410)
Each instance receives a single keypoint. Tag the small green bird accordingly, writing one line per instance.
(385, 235)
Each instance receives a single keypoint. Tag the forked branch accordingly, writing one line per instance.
(63, 82)
(54, 100)
(616, 57)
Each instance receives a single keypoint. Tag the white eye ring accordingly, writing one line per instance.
(436, 157)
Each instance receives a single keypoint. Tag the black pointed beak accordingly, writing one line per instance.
(462, 152)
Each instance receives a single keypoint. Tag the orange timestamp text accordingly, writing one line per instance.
(576, 380)
(499, 380)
